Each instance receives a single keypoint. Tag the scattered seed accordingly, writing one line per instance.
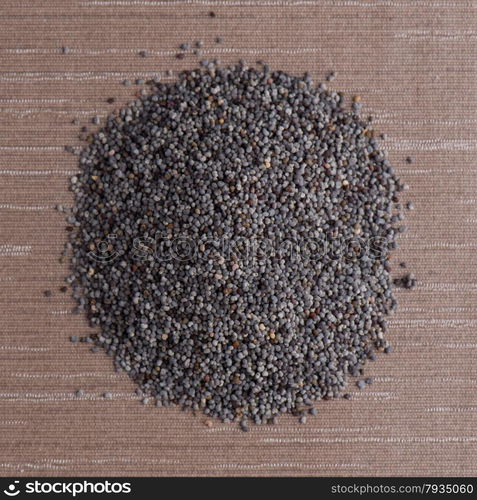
(408, 281)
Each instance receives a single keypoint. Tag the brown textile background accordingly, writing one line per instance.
(414, 64)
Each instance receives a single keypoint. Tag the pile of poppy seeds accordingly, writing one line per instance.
(230, 240)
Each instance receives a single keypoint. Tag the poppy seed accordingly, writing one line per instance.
(186, 205)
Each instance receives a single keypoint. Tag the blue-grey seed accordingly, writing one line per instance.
(235, 154)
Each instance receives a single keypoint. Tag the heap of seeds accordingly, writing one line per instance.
(230, 240)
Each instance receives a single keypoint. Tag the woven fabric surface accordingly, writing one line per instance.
(413, 63)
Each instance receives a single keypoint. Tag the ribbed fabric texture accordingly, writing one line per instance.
(413, 63)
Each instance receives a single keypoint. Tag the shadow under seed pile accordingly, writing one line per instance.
(230, 241)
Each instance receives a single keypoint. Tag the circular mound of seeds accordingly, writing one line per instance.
(230, 241)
